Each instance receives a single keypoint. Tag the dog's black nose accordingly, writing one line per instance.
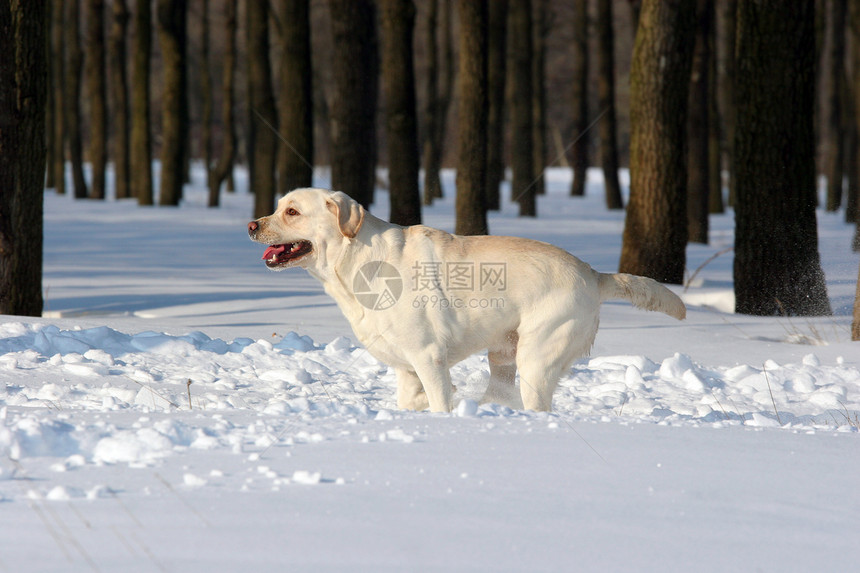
(252, 227)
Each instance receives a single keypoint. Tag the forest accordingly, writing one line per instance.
(710, 104)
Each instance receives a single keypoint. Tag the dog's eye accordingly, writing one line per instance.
(292, 212)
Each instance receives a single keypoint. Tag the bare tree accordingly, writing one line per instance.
(73, 96)
(172, 16)
(579, 101)
(835, 156)
(540, 31)
(353, 105)
(777, 269)
(606, 100)
(496, 60)
(140, 142)
(295, 96)
(119, 91)
(58, 79)
(727, 10)
(262, 138)
(440, 82)
(23, 89)
(220, 170)
(655, 229)
(520, 54)
(96, 95)
(698, 129)
(398, 85)
(855, 323)
(472, 132)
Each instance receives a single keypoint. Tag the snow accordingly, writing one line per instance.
(180, 408)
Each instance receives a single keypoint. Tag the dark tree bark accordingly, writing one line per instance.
(218, 172)
(262, 137)
(607, 127)
(472, 124)
(398, 85)
(295, 97)
(521, 89)
(540, 30)
(95, 65)
(119, 91)
(855, 323)
(835, 156)
(698, 128)
(73, 97)
(635, 10)
(726, 86)
(172, 16)
(353, 105)
(655, 229)
(23, 97)
(140, 142)
(440, 82)
(579, 101)
(852, 90)
(206, 98)
(715, 179)
(777, 269)
(496, 60)
(58, 79)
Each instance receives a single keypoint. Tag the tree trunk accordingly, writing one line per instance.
(295, 97)
(777, 269)
(635, 10)
(655, 229)
(579, 103)
(262, 136)
(715, 179)
(73, 97)
(206, 103)
(520, 77)
(353, 103)
(855, 323)
(224, 167)
(140, 144)
(398, 85)
(726, 86)
(440, 82)
(698, 129)
(95, 65)
(606, 99)
(472, 125)
(172, 37)
(835, 86)
(23, 96)
(58, 78)
(119, 90)
(496, 60)
(540, 30)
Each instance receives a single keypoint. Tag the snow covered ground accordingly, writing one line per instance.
(180, 408)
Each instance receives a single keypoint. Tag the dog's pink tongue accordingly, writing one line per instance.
(274, 251)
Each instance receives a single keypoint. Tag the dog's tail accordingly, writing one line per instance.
(642, 292)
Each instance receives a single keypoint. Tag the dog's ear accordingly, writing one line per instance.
(348, 212)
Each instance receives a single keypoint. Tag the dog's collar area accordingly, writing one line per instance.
(284, 254)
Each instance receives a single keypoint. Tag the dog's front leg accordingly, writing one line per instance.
(410, 392)
(436, 380)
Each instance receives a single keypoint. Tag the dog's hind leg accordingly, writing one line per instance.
(542, 357)
(410, 392)
(503, 371)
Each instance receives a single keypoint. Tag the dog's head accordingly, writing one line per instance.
(306, 224)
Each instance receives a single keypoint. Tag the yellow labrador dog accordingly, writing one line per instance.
(421, 300)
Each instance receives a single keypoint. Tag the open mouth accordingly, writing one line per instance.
(280, 255)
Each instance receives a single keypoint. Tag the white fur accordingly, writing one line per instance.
(541, 318)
